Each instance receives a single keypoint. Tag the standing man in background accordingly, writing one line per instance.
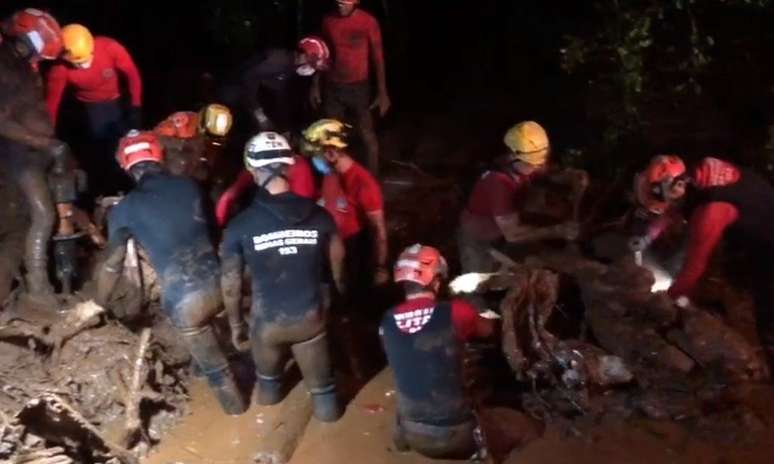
(356, 41)
(92, 65)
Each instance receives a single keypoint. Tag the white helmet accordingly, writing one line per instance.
(267, 148)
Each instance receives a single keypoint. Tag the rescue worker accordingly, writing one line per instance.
(300, 178)
(91, 65)
(494, 211)
(423, 339)
(287, 243)
(27, 144)
(265, 87)
(193, 141)
(356, 42)
(720, 200)
(354, 198)
(164, 215)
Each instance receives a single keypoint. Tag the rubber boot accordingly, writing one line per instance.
(268, 390)
(207, 354)
(326, 406)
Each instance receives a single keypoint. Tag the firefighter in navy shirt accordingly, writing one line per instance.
(164, 214)
(287, 242)
(423, 339)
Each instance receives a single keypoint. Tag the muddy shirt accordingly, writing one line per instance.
(99, 82)
(164, 213)
(349, 196)
(422, 339)
(22, 109)
(284, 241)
(356, 40)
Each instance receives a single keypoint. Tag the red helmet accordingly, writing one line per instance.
(651, 185)
(420, 264)
(40, 29)
(317, 52)
(136, 147)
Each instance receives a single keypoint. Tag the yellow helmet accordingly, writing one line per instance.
(215, 120)
(78, 43)
(529, 142)
(328, 133)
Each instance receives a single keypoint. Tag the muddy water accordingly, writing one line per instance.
(363, 436)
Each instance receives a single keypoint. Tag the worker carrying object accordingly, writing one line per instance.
(164, 214)
(720, 200)
(494, 213)
(423, 338)
(27, 145)
(289, 245)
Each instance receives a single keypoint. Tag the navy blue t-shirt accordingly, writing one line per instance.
(284, 241)
(165, 214)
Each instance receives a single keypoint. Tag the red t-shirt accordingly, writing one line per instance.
(98, 83)
(464, 315)
(300, 178)
(706, 225)
(495, 194)
(354, 40)
(349, 196)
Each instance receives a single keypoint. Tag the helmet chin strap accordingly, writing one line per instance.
(274, 172)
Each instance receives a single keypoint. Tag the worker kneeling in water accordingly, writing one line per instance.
(423, 339)
(287, 242)
(164, 214)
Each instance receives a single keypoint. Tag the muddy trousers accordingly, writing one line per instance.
(436, 441)
(350, 103)
(209, 357)
(314, 361)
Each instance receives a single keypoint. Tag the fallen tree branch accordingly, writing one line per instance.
(134, 394)
(280, 443)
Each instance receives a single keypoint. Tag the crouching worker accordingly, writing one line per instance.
(423, 339)
(163, 213)
(288, 242)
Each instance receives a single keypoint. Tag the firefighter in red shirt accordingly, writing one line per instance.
(92, 66)
(493, 213)
(356, 42)
(354, 198)
(423, 339)
(720, 200)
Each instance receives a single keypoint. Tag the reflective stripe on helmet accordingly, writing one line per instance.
(263, 162)
(135, 147)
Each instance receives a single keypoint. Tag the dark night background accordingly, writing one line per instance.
(465, 71)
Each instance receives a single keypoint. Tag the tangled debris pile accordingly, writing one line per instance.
(76, 389)
(636, 352)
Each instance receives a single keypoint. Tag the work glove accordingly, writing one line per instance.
(239, 337)
(134, 118)
(639, 243)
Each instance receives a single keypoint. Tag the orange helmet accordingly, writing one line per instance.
(318, 56)
(181, 125)
(651, 186)
(40, 29)
(136, 147)
(420, 264)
